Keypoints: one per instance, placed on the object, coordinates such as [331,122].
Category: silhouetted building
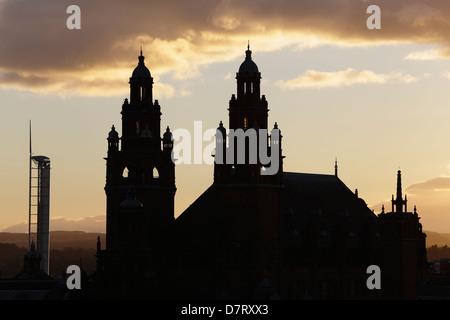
[234,227]
[140,190]
[404,253]
[250,234]
[32,283]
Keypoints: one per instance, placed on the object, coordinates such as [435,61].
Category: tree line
[11,260]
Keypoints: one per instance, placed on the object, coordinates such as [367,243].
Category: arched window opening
[138,127]
[251,87]
[126,173]
[141,93]
[245,87]
[155,173]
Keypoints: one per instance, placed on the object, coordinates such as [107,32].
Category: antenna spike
[31,153]
[335,167]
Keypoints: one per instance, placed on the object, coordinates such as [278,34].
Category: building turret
[32,261]
[140,188]
[245,160]
[403,244]
[113,141]
[168,141]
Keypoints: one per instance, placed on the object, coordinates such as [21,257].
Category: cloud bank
[432,198]
[180,37]
[313,79]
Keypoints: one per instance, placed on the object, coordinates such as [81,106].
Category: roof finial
[248,53]
[335,167]
[141,58]
[399,192]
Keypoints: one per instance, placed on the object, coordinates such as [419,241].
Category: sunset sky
[378,100]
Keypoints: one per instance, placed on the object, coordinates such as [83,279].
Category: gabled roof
[326,195]
[304,195]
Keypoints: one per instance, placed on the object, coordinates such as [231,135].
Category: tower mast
[39,206]
[29,194]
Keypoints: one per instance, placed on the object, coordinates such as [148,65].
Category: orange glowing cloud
[40,54]
[313,79]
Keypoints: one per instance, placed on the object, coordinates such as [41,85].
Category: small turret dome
[167,135]
[113,134]
[131,202]
[32,254]
[222,129]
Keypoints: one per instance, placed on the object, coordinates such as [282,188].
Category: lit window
[155,173]
[245,123]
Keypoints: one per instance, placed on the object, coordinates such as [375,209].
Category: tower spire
[399,185]
[399,202]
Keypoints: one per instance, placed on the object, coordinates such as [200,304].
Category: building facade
[140,191]
[250,234]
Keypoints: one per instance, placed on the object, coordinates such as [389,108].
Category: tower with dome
[140,188]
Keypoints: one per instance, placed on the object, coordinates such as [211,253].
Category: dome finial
[141,58]
[248,53]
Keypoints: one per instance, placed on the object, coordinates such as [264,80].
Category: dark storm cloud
[38,51]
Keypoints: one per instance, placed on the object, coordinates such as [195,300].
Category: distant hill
[66,248]
[76,247]
[58,239]
[439,239]
[88,240]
